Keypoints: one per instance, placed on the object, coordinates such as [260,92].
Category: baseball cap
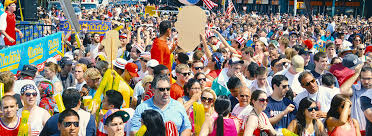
[8,2]
[264,40]
[309,44]
[303,51]
[235,60]
[218,58]
[152,63]
[274,43]
[86,61]
[29,70]
[132,69]
[65,61]
[341,72]
[298,63]
[120,63]
[351,61]
[123,114]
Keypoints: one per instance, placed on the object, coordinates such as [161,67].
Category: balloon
[23,127]
[286,132]
[141,131]
[199,116]
[58,98]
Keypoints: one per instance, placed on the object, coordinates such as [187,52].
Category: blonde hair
[92,73]
[147,79]
[83,66]
[8,79]
[54,67]
[209,90]
[289,53]
[181,67]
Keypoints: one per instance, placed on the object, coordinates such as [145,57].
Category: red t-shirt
[176,91]
[160,52]
[10,28]
[6,131]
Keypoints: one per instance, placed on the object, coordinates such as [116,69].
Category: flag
[230,7]
[210,4]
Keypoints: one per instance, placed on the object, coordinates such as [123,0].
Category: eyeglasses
[68,124]
[202,79]
[308,83]
[207,100]
[144,60]
[186,74]
[29,94]
[285,86]
[357,40]
[310,109]
[361,48]
[245,96]
[263,100]
[198,68]
[163,89]
[198,88]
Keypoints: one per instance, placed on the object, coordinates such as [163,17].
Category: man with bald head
[280,110]
[243,108]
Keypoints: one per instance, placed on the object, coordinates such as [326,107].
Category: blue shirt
[174,112]
[274,108]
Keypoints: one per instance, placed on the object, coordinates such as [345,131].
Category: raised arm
[346,87]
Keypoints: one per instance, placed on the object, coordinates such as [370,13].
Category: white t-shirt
[35,119]
[323,96]
[2,27]
[242,113]
[79,86]
[292,80]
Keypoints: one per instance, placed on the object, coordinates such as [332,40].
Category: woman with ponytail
[258,123]
[223,125]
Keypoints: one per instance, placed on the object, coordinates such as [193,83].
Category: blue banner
[34,52]
[94,26]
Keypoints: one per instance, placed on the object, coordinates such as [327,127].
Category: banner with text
[34,52]
[94,26]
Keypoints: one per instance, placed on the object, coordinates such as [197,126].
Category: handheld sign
[111,43]
[190,23]
[71,17]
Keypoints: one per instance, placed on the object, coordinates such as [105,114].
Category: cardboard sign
[111,43]
[190,23]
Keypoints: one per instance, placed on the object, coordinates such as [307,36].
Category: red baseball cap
[132,69]
[341,72]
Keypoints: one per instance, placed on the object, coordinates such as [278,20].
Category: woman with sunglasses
[307,122]
[38,116]
[258,123]
[338,119]
[222,125]
[202,80]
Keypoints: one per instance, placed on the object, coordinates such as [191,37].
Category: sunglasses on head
[263,100]
[310,109]
[29,94]
[198,68]
[308,83]
[164,89]
[186,74]
[68,124]
[207,100]
[202,79]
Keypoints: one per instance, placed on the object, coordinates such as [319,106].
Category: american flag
[210,4]
[230,7]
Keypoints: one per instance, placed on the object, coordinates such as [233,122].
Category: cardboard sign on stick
[190,23]
[111,43]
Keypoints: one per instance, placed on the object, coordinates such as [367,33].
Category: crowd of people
[253,75]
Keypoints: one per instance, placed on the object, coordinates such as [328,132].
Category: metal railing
[34,31]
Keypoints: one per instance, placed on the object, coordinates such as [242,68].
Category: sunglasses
[308,83]
[198,68]
[68,124]
[144,60]
[361,48]
[202,79]
[29,94]
[263,100]
[245,96]
[207,100]
[310,109]
[164,89]
[186,74]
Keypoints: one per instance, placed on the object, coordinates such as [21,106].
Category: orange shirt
[160,52]
[176,91]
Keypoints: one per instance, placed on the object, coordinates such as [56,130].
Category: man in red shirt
[160,50]
[183,74]
[8,23]
[9,122]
